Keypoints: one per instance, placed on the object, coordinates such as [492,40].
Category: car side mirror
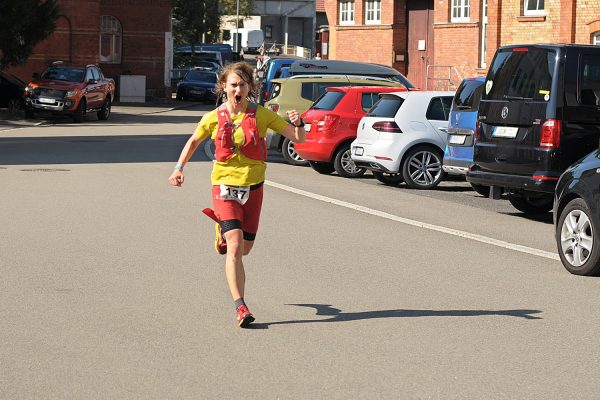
[35,75]
[92,81]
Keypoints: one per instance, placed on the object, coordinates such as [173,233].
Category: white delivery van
[248,39]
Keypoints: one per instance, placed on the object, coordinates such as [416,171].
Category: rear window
[467,96]
[521,74]
[589,80]
[386,107]
[312,90]
[439,108]
[328,101]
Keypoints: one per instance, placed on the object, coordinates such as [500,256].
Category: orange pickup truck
[70,90]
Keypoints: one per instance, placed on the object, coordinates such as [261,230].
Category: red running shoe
[243,316]
[220,244]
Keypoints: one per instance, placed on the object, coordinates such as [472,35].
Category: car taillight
[273,107]
[327,122]
[550,136]
[387,126]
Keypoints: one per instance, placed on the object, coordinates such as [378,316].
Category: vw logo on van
[504,112]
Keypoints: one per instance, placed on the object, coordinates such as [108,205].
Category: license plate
[46,100]
[457,139]
[358,151]
[197,91]
[307,127]
[505,132]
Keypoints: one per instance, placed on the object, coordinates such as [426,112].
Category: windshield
[67,74]
[521,74]
[201,76]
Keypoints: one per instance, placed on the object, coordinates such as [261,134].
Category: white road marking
[443,229]
[208,150]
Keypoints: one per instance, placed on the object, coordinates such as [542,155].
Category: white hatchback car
[403,136]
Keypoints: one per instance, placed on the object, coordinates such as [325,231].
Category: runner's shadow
[337,315]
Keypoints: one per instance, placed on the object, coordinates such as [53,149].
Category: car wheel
[344,165]
[531,204]
[322,167]
[577,239]
[29,113]
[79,113]
[290,155]
[422,168]
[481,189]
[104,112]
[388,179]
[14,105]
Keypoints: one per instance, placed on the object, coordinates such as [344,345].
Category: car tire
[79,113]
[179,96]
[104,112]
[481,189]
[29,113]
[388,179]
[290,155]
[344,165]
[422,167]
[322,167]
[577,239]
[531,204]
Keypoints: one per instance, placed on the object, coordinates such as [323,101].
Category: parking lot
[111,287]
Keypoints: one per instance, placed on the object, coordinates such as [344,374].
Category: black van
[539,113]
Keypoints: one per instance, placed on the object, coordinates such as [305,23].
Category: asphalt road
[111,288]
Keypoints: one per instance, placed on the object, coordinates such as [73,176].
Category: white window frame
[372,12]
[460,11]
[346,12]
[484,24]
[535,12]
[596,39]
[111,34]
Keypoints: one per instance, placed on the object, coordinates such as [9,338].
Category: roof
[377,89]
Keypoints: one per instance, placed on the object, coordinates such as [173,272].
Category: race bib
[241,194]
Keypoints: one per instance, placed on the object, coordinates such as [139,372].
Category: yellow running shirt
[239,170]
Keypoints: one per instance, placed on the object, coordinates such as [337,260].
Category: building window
[460,11]
[111,35]
[346,12]
[373,12]
[596,38]
[533,7]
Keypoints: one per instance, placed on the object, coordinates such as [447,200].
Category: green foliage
[194,18]
[23,24]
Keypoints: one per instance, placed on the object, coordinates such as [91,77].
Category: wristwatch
[301,124]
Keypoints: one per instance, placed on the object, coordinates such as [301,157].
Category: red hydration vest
[253,147]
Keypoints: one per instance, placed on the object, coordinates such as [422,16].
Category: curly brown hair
[244,71]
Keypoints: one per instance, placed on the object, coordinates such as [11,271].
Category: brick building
[122,36]
[438,42]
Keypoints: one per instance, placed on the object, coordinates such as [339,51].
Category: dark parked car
[539,113]
[198,84]
[12,91]
[577,216]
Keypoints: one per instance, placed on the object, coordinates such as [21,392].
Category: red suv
[331,124]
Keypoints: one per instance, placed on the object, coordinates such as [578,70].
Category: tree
[23,24]
[195,19]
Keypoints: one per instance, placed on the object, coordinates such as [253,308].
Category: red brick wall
[369,43]
[587,20]
[77,39]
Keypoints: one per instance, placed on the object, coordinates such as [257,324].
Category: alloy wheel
[425,168]
[576,238]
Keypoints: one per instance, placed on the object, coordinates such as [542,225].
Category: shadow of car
[12,92]
[198,84]
[576,215]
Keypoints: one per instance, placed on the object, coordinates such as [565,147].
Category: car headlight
[72,93]
[213,90]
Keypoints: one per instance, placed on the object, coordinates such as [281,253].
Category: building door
[420,40]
